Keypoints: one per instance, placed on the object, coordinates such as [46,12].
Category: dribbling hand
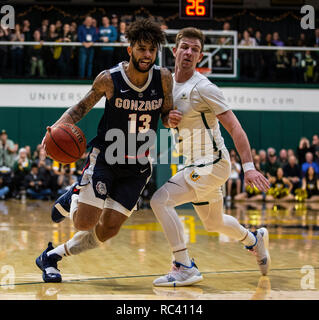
[255,178]
[43,140]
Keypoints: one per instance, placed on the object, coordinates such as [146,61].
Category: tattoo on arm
[167,84]
[101,87]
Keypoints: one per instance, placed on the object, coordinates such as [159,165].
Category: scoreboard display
[196,9]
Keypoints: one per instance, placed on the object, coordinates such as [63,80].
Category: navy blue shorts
[123,183]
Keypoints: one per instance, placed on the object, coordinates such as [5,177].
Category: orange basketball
[65,143]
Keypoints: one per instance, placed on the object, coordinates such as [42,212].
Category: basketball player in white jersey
[207,166]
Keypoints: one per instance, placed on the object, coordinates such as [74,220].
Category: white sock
[60,250]
[82,241]
[74,205]
[250,239]
[182,257]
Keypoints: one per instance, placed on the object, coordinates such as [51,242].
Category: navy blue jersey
[133,110]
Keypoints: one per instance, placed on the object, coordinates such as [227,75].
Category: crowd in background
[293,174]
[86,61]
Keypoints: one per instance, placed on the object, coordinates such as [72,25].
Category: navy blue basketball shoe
[49,265]
[61,208]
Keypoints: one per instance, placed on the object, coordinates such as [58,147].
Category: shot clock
[196,9]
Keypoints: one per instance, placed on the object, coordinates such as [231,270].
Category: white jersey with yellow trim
[200,101]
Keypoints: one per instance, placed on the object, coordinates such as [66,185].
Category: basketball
[65,143]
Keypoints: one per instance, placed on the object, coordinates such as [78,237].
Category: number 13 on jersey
[144,120]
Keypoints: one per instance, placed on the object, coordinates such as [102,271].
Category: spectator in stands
[120,53]
[58,28]
[21,168]
[45,22]
[283,157]
[276,39]
[226,26]
[280,187]
[268,60]
[65,179]
[296,71]
[59,170]
[115,21]
[314,42]
[74,50]
[309,67]
[302,41]
[64,59]
[73,30]
[234,178]
[309,163]
[107,34]
[36,152]
[282,66]
[303,148]
[247,57]
[315,147]
[17,57]
[44,31]
[94,25]
[28,151]
[28,36]
[4,188]
[310,183]
[45,166]
[258,38]
[291,152]
[50,52]
[272,164]
[4,36]
[87,36]
[247,40]
[262,160]
[37,54]
[36,185]
[256,159]
[8,150]
[292,172]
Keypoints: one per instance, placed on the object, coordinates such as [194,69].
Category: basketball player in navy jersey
[137,94]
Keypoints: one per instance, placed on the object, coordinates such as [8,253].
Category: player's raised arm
[169,116]
[102,85]
[234,128]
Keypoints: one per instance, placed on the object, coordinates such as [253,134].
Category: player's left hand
[174,118]
[255,178]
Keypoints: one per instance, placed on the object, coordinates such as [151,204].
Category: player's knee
[158,199]
[109,225]
[108,232]
[85,220]
[211,226]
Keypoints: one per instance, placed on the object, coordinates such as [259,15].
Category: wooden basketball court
[124,267]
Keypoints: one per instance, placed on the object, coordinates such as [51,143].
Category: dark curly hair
[145,30]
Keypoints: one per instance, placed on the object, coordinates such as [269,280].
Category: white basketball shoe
[260,250]
[179,276]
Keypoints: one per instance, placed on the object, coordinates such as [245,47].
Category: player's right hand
[43,140]
[255,178]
